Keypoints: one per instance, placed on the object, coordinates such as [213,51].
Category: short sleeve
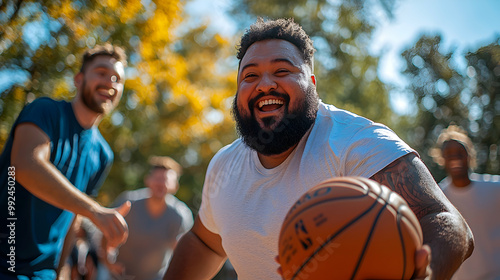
[371,149]
[44,113]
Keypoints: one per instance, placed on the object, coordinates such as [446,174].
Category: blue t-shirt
[33,231]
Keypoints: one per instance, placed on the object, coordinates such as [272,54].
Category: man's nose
[267,84]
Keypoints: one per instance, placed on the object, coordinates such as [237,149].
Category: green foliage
[175,101]
[446,93]
[484,84]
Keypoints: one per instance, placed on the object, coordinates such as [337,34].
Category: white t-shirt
[479,204]
[246,203]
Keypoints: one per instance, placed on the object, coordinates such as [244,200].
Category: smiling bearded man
[291,141]
[276,136]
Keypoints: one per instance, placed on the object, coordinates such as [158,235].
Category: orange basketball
[349,228]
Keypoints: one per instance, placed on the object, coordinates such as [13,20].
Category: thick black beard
[88,101]
[287,133]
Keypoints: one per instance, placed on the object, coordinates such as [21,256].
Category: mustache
[252,101]
[102,87]
[98,87]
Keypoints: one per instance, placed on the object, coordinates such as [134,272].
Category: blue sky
[463,24]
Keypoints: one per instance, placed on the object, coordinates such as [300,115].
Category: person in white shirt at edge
[290,141]
[477,198]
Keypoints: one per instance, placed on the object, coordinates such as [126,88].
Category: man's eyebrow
[276,60]
[107,67]
[247,65]
[103,65]
[286,60]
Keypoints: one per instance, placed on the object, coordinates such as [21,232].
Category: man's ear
[78,80]
[313,78]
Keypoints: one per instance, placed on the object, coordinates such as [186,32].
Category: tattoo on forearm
[406,178]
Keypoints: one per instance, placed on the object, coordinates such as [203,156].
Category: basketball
[349,228]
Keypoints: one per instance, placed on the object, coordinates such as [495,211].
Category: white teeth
[270,102]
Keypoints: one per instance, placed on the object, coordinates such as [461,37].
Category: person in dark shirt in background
[54,159]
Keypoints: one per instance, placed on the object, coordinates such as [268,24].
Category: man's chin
[159,195]
[268,128]
[104,108]
[107,110]
[269,124]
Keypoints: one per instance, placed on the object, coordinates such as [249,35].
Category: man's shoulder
[47,114]
[236,145]
[342,116]
[177,204]
[133,196]
[45,106]
[445,183]
[230,151]
[180,209]
[47,103]
[342,126]
[47,100]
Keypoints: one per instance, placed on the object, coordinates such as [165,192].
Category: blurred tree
[341,31]
[175,102]
[196,124]
[484,104]
[435,86]
[446,93]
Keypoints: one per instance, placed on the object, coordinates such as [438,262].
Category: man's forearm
[31,157]
[44,181]
[444,229]
[193,260]
[69,242]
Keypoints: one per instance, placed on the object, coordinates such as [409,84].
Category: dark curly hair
[107,49]
[284,29]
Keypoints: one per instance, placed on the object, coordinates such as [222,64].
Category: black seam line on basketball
[400,231]
[321,202]
[367,192]
[336,234]
[368,238]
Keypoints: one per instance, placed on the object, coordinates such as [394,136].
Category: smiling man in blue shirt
[54,159]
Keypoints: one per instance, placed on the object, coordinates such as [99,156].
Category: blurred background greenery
[181,76]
